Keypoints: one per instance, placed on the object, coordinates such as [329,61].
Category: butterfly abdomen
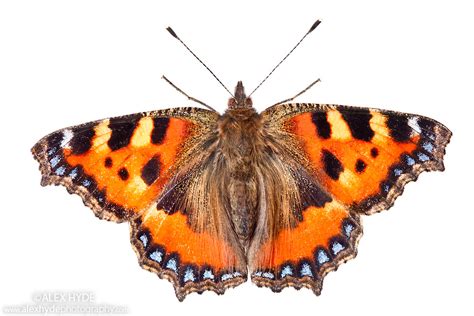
[240,144]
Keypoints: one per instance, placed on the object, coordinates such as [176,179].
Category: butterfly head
[240,99]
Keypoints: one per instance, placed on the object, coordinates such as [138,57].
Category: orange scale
[173,233]
[351,187]
[319,225]
[131,193]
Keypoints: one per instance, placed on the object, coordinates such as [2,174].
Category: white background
[69,62]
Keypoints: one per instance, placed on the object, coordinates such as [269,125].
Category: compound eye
[232,103]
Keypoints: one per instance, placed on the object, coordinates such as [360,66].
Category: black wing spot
[81,141]
[358,121]
[360,165]
[320,119]
[55,139]
[108,162]
[54,144]
[122,131]
[160,126]
[151,170]
[399,128]
[374,152]
[427,128]
[123,174]
[332,165]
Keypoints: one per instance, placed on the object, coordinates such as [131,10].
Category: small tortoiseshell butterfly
[211,198]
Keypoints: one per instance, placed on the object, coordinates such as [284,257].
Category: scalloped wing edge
[442,139]
[48,177]
[316,283]
[225,281]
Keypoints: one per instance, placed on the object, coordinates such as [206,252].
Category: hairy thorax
[240,144]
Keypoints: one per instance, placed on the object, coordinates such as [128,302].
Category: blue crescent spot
[410,161]
[306,270]
[286,271]
[322,257]
[144,240]
[337,247]
[60,171]
[189,275]
[54,161]
[86,183]
[258,273]
[156,256]
[208,275]
[172,265]
[423,157]
[397,172]
[268,275]
[348,228]
[227,276]
[428,146]
[73,173]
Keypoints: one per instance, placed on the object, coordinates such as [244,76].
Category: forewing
[363,157]
[120,165]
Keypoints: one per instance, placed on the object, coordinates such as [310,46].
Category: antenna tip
[315,24]
[169,29]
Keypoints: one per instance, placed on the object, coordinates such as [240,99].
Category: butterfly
[212,199]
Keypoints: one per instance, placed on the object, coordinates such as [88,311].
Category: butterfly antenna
[315,24]
[173,33]
[186,95]
[300,93]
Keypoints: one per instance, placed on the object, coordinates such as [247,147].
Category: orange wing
[302,255]
[124,168]
[364,157]
[354,160]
